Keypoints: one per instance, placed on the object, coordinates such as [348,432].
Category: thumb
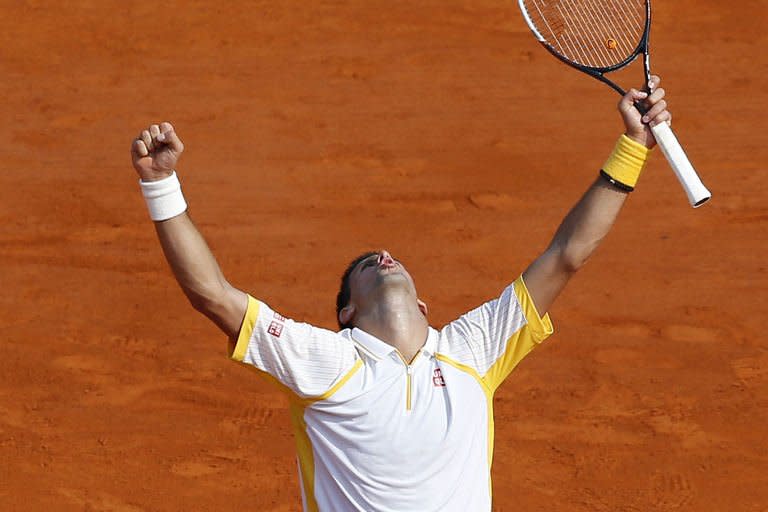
[169,137]
[629,100]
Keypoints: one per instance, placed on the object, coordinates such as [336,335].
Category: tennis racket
[600,36]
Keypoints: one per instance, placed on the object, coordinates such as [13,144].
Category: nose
[385,259]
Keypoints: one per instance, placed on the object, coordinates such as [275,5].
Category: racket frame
[694,188]
[642,48]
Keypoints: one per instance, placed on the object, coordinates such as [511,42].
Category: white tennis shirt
[374,433]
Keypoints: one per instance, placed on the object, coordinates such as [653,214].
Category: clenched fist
[156,151]
[639,125]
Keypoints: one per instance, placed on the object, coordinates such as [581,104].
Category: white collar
[380,349]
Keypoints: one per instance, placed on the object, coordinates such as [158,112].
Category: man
[389,413]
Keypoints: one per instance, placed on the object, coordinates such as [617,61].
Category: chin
[394,274]
[395,279]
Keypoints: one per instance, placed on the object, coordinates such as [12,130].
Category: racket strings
[593,33]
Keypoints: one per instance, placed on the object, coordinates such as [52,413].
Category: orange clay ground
[314,130]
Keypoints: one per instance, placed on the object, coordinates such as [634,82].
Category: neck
[398,321]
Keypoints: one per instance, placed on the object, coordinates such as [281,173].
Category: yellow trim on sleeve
[246,329]
[525,339]
[542,325]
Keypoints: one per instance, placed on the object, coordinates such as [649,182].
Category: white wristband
[164,198]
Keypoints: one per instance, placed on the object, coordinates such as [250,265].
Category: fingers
[628,101]
[155,137]
[654,111]
[146,138]
[653,106]
[168,136]
[154,131]
[139,148]
[654,82]
[662,117]
[656,104]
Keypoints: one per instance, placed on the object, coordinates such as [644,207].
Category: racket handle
[678,160]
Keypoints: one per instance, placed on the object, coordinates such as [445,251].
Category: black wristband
[619,185]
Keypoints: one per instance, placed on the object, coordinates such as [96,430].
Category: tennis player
[389,413]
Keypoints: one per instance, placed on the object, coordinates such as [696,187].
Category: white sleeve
[493,338]
[307,360]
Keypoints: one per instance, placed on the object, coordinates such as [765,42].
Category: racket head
[595,36]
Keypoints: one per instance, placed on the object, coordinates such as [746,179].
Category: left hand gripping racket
[600,36]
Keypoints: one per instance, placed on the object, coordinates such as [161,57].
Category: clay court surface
[315,130]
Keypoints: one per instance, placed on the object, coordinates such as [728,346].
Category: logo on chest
[275,329]
[437,378]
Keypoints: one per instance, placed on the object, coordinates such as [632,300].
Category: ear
[346,314]
[422,307]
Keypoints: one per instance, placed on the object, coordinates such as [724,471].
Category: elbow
[201,303]
[213,307]
[223,305]
[574,257]
[573,263]
[205,301]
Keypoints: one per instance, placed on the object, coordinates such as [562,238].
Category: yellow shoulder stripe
[249,322]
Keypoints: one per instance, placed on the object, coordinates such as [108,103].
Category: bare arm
[578,236]
[155,154]
[590,220]
[199,275]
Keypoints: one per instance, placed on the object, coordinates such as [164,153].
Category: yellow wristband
[625,164]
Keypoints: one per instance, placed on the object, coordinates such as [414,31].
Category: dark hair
[342,298]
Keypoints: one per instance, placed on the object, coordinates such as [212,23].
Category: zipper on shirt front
[408,379]
[408,371]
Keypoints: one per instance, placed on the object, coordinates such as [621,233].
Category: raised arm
[590,220]
[155,153]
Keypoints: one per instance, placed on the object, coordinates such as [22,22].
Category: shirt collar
[380,349]
[430,346]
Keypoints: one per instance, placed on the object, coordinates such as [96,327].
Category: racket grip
[678,160]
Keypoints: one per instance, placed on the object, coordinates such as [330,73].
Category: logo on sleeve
[437,378]
[275,329]
[277,316]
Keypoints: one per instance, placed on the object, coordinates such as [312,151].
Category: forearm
[587,224]
[576,239]
[589,221]
[199,274]
[190,258]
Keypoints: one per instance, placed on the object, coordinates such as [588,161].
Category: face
[378,270]
[368,280]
